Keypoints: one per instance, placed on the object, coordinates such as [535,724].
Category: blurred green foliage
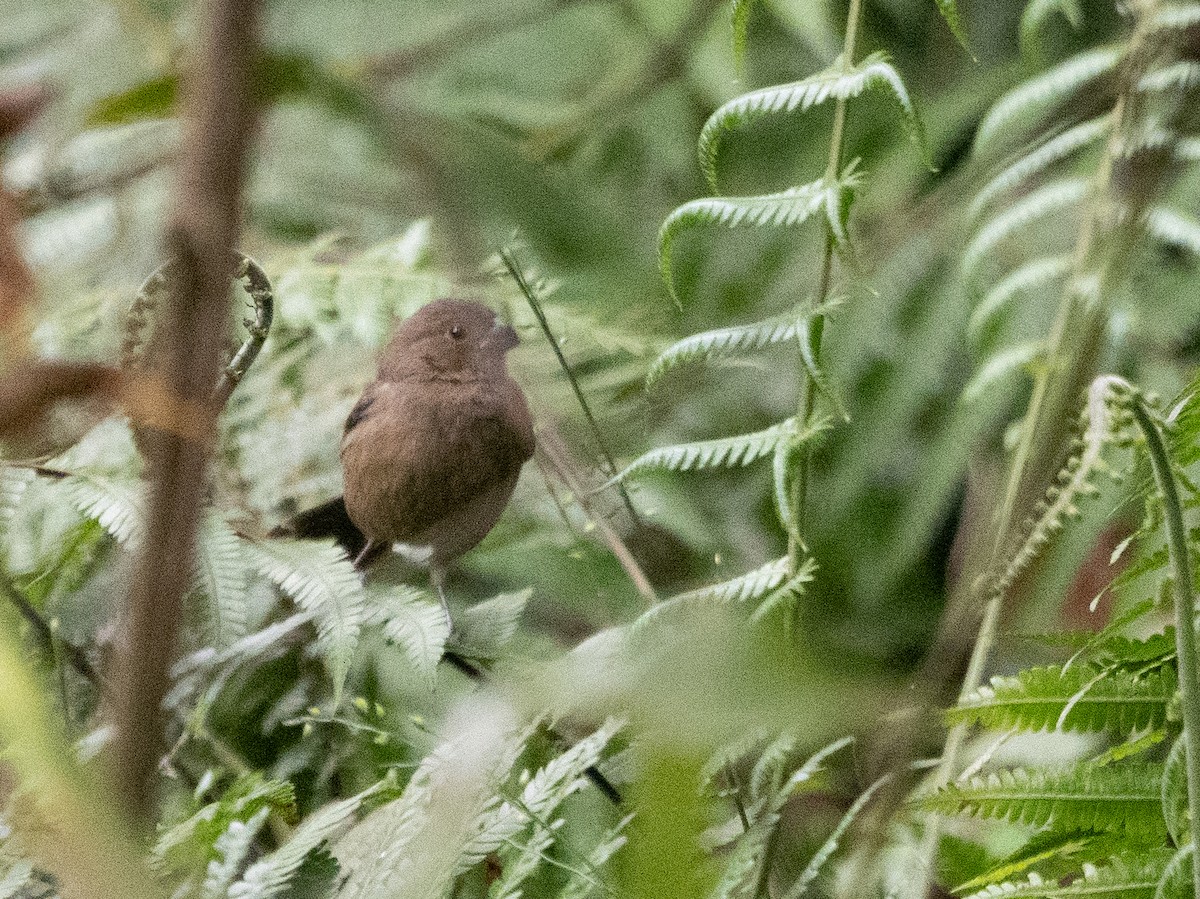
[318,746]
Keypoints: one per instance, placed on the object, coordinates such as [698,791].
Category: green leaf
[486,628]
[1174,229]
[838,82]
[742,590]
[1118,798]
[740,20]
[153,99]
[1175,795]
[189,846]
[1130,877]
[1037,161]
[1032,100]
[807,338]
[320,578]
[270,875]
[1042,847]
[724,452]
[787,208]
[1000,366]
[723,342]
[1038,11]
[822,855]
[1040,273]
[949,11]
[114,503]
[1177,881]
[1050,199]
[221,578]
[1092,699]
[415,622]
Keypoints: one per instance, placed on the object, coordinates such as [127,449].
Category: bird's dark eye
[456,332]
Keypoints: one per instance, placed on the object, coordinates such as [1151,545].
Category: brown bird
[433,448]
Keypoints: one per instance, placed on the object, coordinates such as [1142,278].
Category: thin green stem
[1185,611]
[1073,339]
[807,402]
[531,297]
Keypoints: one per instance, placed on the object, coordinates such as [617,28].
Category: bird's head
[448,339]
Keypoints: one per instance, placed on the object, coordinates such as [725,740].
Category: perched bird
[433,448]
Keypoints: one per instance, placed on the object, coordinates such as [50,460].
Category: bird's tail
[330,519]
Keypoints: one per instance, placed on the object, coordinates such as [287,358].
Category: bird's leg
[438,577]
[365,553]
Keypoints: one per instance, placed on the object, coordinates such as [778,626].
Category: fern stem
[531,297]
[1185,611]
[1073,340]
[807,404]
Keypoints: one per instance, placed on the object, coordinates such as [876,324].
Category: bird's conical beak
[503,336]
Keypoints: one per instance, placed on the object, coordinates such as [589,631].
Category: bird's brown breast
[434,463]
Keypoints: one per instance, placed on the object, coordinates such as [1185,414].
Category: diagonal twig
[531,297]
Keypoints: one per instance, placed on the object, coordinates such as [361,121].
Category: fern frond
[1033,275]
[1118,798]
[767,782]
[1034,163]
[787,208]
[949,11]
[1175,78]
[1177,881]
[1176,17]
[823,854]
[270,875]
[1132,877]
[1038,11]
[115,505]
[1093,699]
[413,621]
[1044,846]
[722,342]
[578,886]
[724,452]
[1074,482]
[195,839]
[838,82]
[231,849]
[1174,229]
[486,627]
[543,793]
[745,589]
[13,484]
[221,578]
[1033,99]
[1174,795]
[1047,200]
[321,580]
[740,21]
[740,874]
[999,366]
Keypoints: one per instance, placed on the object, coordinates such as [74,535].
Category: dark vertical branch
[191,334]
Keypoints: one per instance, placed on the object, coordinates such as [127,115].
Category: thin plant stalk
[799,492]
[1185,612]
[531,297]
[1074,335]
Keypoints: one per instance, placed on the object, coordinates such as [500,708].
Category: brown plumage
[433,448]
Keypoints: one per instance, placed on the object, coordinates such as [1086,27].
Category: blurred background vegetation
[402,146]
